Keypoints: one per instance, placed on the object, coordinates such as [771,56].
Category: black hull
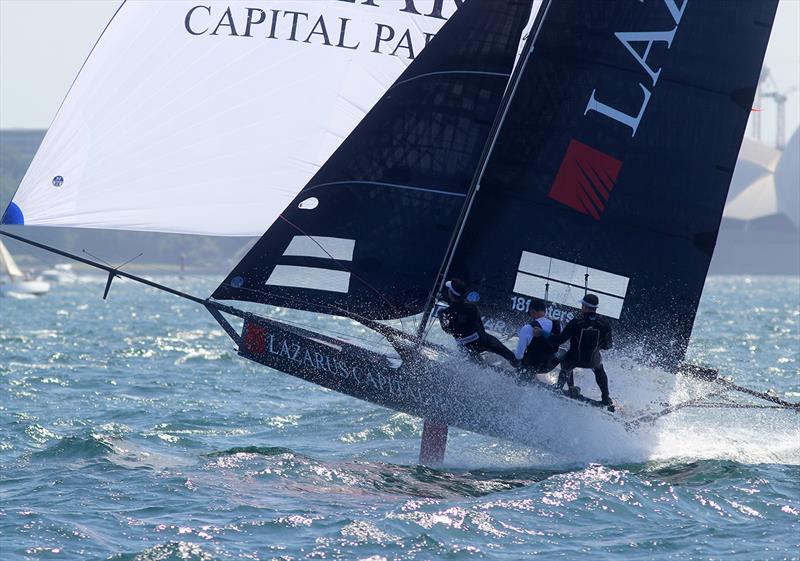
[420,386]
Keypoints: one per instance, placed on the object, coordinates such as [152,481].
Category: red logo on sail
[585,179]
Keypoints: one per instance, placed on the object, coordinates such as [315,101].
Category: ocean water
[130,430]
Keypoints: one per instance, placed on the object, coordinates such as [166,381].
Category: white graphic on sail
[316,278]
[565,283]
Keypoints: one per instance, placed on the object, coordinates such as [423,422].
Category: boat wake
[561,432]
[273,464]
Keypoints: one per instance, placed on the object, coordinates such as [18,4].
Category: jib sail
[611,171]
[368,232]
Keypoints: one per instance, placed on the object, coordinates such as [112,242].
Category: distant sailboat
[597,158]
[14,281]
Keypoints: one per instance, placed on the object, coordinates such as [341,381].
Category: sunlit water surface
[130,430]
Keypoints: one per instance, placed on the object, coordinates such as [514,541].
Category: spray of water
[559,432]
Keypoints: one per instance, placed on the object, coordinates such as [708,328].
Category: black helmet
[590,301]
[538,305]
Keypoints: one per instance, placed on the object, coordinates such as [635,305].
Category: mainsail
[209,117]
[367,234]
[611,171]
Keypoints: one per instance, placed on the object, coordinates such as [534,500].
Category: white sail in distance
[208,118]
[7,263]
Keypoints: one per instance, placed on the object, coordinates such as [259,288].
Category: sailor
[587,334]
[536,348]
[462,320]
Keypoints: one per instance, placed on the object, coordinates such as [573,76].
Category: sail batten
[446,72]
[307,190]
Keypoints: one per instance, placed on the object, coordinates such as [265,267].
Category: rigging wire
[109,264]
[341,312]
[380,294]
[547,282]
[475,182]
[727,384]
[586,282]
[326,330]
[332,309]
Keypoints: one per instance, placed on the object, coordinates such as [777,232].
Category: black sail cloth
[366,236]
[613,166]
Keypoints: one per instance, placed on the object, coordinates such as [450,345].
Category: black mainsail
[367,234]
[611,171]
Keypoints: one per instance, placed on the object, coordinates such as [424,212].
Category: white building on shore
[760,231]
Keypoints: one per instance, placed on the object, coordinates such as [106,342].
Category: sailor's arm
[554,335]
[475,319]
[564,336]
[525,337]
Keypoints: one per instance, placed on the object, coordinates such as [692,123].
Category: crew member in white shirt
[536,348]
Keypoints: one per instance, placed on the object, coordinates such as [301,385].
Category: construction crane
[780,99]
[780,125]
[759,103]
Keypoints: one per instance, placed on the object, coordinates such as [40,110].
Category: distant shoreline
[765,246]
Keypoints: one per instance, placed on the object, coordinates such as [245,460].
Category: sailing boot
[566,377]
[602,382]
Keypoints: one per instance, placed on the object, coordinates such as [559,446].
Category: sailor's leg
[565,376]
[474,351]
[571,388]
[550,364]
[601,378]
[493,345]
[560,354]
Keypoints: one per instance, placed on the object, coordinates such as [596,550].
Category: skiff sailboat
[14,281]
[531,147]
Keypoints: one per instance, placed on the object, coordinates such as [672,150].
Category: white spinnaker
[165,130]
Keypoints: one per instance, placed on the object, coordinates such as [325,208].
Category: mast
[475,184]
[398,181]
[633,218]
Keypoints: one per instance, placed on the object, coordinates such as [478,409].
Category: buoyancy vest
[588,334]
[541,349]
[463,321]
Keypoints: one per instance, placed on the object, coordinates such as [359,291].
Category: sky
[44,42]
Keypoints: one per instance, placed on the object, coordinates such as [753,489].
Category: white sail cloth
[7,263]
[209,117]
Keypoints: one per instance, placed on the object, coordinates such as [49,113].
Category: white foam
[560,432]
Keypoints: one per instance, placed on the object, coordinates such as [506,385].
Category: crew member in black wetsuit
[588,334]
[536,348]
[463,321]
